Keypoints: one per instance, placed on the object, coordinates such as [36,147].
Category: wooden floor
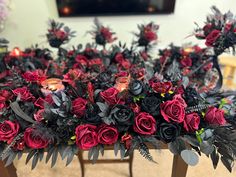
[142,168]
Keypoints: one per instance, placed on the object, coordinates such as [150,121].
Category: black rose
[150,104]
[91,114]
[168,132]
[191,96]
[136,87]
[104,80]
[100,39]
[123,116]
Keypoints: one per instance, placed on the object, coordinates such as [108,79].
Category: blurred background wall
[27,23]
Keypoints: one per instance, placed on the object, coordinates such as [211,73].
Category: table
[179,167]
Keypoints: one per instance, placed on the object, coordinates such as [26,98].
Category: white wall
[27,23]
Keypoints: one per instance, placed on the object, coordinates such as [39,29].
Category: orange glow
[66,10]
[16,52]
[122,83]
[52,85]
[151,9]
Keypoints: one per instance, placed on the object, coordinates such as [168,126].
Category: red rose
[228,27]
[72,75]
[20,145]
[107,34]
[150,35]
[135,107]
[180,99]
[38,116]
[122,74]
[207,28]
[24,93]
[111,96]
[144,124]
[34,76]
[40,102]
[34,140]
[79,106]
[215,116]
[208,66]
[5,95]
[60,34]
[86,136]
[191,122]
[212,37]
[186,62]
[107,134]
[8,131]
[81,59]
[161,87]
[119,57]
[173,110]
[95,61]
[125,64]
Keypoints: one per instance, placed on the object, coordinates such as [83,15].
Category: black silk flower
[136,87]
[151,105]
[91,114]
[123,116]
[168,132]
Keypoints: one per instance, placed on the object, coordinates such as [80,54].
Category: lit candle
[52,85]
[122,83]
[16,52]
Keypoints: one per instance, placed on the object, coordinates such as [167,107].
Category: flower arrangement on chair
[86,99]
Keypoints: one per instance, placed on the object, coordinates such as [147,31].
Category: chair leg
[131,158]
[9,171]
[179,168]
[81,160]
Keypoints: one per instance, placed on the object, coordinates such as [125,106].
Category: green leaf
[35,161]
[177,146]
[227,163]
[30,155]
[54,157]
[215,158]
[56,100]
[190,157]
[18,111]
[116,147]
[122,151]
[49,154]
[10,158]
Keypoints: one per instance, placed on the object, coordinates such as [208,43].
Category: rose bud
[168,132]
[151,105]
[127,139]
[136,87]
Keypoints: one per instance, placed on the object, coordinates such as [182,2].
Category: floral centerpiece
[86,99]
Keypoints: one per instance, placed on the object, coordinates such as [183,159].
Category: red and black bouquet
[86,99]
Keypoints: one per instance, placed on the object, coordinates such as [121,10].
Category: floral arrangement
[87,98]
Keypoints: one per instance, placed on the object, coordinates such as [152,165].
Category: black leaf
[35,160]
[144,151]
[30,155]
[49,154]
[54,157]
[215,158]
[227,163]
[10,158]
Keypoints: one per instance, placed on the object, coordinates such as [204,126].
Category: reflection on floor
[141,168]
